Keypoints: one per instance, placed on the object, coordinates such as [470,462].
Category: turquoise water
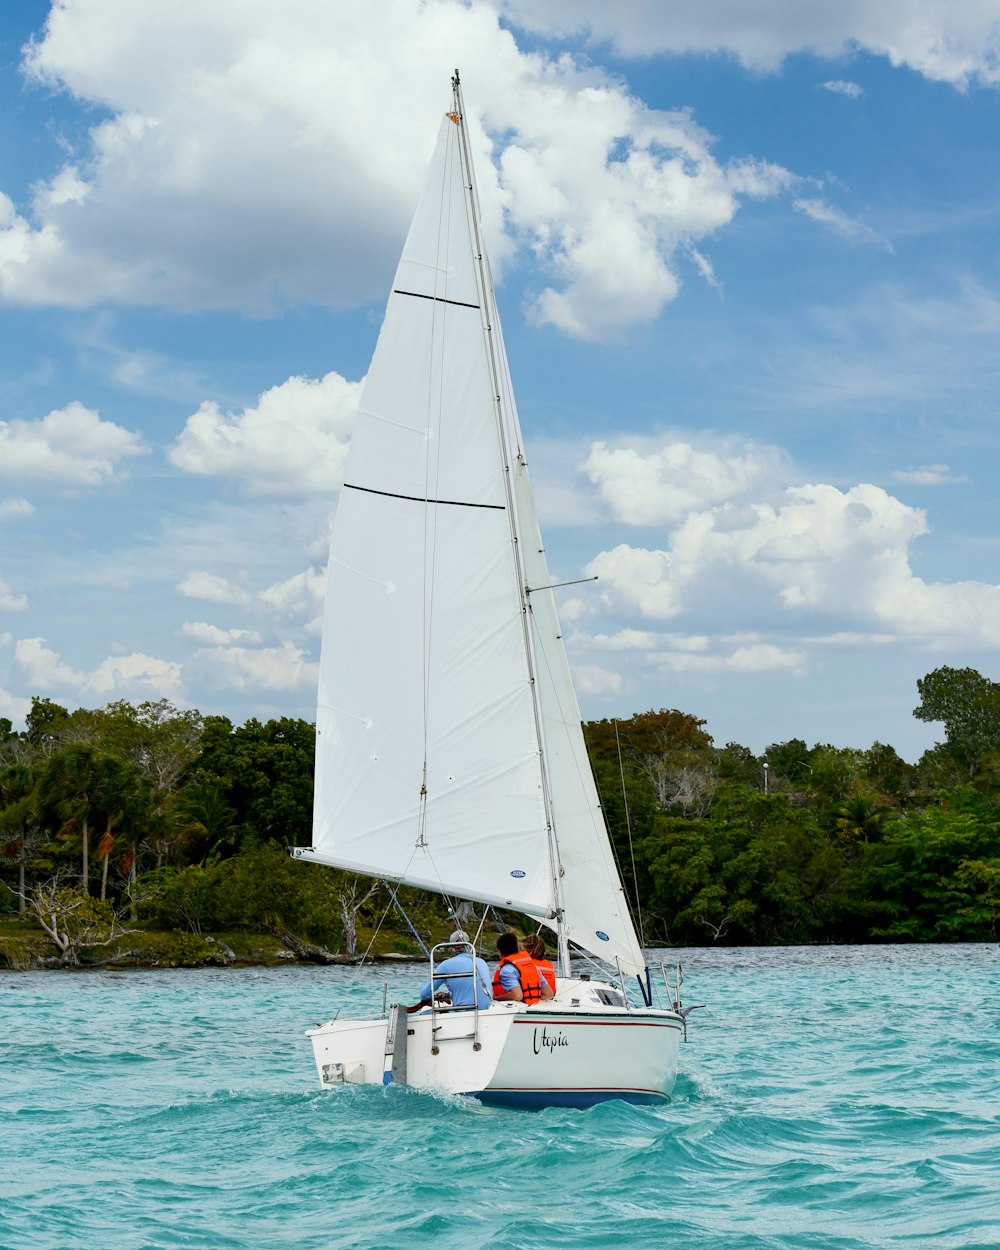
[831,1098]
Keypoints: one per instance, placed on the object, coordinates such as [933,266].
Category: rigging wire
[631,848]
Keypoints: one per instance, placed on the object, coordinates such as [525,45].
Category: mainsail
[449,749]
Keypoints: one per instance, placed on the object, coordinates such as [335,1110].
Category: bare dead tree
[717,929]
[350,906]
[73,921]
[689,786]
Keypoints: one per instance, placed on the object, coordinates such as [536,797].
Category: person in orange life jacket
[534,945]
[516,977]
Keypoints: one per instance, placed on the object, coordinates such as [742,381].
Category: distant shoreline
[23,949]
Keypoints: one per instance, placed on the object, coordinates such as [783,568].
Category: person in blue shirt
[463,990]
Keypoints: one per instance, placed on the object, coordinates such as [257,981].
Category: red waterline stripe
[601,1024]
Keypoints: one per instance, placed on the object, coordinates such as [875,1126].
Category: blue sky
[749,276]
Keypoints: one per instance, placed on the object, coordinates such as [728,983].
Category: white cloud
[6,639]
[849,227]
[293,442]
[213,636]
[954,41]
[852,639]
[43,667]
[299,595]
[222,120]
[212,589]
[70,448]
[285,667]
[626,640]
[125,675]
[760,657]
[15,509]
[821,554]
[591,679]
[658,482]
[840,87]
[9,600]
[122,676]
[14,708]
[928,475]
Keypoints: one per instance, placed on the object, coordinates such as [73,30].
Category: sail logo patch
[603,936]
[518,872]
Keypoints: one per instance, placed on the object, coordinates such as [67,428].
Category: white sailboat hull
[558,1053]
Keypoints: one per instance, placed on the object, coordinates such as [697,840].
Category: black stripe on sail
[438,299]
[452,503]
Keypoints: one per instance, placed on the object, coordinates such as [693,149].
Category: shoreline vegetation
[149,836]
[24,948]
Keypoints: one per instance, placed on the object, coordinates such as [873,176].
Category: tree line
[133,816]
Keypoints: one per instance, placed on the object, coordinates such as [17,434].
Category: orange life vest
[531,980]
[544,966]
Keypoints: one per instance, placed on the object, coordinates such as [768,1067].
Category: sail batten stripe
[437,299]
[451,503]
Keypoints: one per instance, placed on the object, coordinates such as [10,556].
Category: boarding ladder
[438,1010]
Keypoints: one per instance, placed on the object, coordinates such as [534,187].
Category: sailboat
[450,754]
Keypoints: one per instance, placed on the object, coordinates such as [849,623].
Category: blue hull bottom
[535,1100]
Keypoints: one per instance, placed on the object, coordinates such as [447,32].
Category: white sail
[448,732]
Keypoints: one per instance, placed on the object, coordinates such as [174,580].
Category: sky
[747,265]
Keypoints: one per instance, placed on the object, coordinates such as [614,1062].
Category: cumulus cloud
[626,640]
[213,636]
[647,483]
[592,679]
[10,601]
[285,667]
[759,657]
[820,554]
[121,676]
[953,41]
[299,595]
[293,442]
[212,589]
[125,675]
[70,448]
[13,707]
[43,667]
[219,121]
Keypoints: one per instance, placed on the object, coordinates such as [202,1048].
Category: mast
[488,305]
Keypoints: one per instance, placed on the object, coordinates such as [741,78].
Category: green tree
[757,870]
[44,724]
[265,773]
[19,831]
[968,705]
[931,877]
[81,787]
[788,762]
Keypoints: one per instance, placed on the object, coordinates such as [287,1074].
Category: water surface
[830,1098]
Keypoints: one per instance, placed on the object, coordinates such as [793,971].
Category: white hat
[458,938]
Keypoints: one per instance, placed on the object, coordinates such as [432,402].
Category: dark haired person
[534,946]
[516,978]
